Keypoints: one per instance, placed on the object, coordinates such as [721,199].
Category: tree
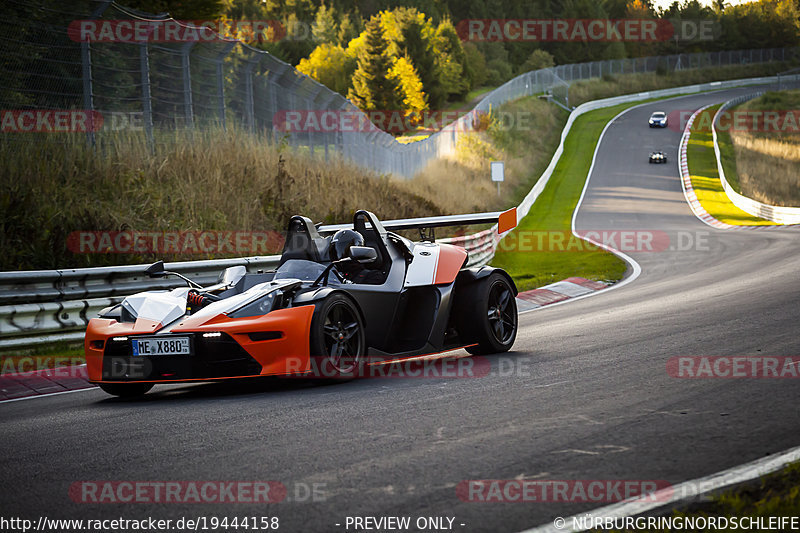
[413,98]
[347,30]
[324,29]
[372,88]
[331,66]
[450,60]
[411,34]
[539,59]
[475,61]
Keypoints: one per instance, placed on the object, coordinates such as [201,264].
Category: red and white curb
[557,292]
[45,382]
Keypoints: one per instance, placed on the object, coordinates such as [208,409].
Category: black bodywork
[399,320]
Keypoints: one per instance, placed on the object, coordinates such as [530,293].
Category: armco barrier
[53,305]
[779,214]
[45,306]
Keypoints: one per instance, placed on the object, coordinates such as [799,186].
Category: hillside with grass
[766,164]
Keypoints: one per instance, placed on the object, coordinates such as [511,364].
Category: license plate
[161,346]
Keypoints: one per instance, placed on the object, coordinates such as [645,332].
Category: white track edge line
[48,394]
[732,476]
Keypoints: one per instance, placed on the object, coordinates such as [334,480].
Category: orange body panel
[507,220]
[102,329]
[287,354]
[451,259]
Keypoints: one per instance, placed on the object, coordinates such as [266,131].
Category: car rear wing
[505,220]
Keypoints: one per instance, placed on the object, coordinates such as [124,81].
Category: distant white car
[658,120]
[658,157]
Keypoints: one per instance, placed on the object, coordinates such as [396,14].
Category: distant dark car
[658,157]
[658,120]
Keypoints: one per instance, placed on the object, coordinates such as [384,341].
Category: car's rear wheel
[126,390]
[491,318]
[338,339]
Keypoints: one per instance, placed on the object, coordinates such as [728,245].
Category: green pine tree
[325,29]
[373,88]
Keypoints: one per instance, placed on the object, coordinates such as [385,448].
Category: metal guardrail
[778,214]
[51,305]
[44,306]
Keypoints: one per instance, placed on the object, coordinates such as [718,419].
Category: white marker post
[498,173]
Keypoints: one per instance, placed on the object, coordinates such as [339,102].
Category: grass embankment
[617,84]
[524,134]
[766,164]
[520,254]
[776,494]
[705,177]
[53,186]
[56,355]
[771,497]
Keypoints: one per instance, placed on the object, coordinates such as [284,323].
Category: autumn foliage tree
[373,88]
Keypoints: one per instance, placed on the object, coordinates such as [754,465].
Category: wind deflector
[506,220]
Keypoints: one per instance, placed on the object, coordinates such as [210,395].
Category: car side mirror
[156,270]
[363,254]
[232,275]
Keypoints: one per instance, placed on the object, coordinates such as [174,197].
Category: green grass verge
[728,157]
[705,178]
[776,494]
[772,496]
[552,212]
[473,94]
[13,361]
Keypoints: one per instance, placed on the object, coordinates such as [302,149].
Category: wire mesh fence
[103,69]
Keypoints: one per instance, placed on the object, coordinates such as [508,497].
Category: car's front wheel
[126,390]
[338,339]
[491,319]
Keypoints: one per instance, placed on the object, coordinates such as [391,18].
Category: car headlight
[259,306]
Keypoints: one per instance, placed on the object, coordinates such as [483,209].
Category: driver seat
[304,242]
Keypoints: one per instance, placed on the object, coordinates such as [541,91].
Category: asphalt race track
[584,395]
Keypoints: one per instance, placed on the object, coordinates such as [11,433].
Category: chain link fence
[163,87]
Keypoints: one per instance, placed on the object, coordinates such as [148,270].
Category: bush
[499,72]
[539,59]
